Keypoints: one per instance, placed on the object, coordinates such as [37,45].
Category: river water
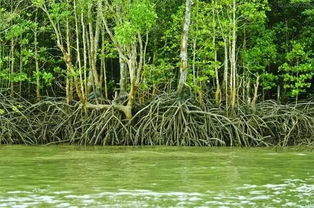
[71,176]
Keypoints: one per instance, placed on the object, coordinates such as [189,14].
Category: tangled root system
[166,120]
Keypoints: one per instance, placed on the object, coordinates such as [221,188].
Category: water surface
[70,176]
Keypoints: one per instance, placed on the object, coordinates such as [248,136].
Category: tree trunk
[218,88]
[68,61]
[85,83]
[233,58]
[12,62]
[226,71]
[256,86]
[103,67]
[184,47]
[123,76]
[80,84]
[38,96]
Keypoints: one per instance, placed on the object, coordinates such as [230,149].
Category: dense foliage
[156,72]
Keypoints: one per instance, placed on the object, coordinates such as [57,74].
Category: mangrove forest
[157,72]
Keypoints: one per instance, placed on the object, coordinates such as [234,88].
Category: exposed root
[166,120]
[93,127]
[169,121]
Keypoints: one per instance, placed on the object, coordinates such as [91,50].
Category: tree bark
[233,60]
[184,47]
[78,56]
[38,96]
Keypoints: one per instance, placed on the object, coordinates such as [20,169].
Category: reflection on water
[65,176]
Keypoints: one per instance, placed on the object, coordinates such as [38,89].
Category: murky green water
[63,176]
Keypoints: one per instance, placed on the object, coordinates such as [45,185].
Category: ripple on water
[285,186]
[248,195]
[301,154]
